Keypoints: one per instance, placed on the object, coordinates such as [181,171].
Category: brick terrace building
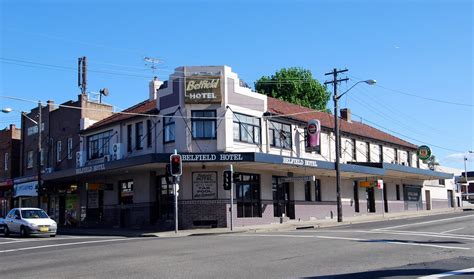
[10,157]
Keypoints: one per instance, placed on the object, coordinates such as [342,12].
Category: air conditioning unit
[79,159]
[116,151]
[107,158]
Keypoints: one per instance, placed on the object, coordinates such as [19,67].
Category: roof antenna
[152,63]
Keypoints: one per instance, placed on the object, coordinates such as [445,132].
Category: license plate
[45,229]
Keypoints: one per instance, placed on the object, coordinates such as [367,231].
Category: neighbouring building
[466,182]
[10,139]
[60,127]
[442,193]
[214,120]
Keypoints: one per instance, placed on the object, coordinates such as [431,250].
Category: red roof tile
[276,106]
[145,107]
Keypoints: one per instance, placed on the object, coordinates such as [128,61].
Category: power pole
[38,159]
[334,82]
[82,74]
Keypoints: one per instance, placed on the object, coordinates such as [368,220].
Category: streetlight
[336,98]
[465,173]
[38,157]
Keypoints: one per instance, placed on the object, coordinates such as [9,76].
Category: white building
[213,120]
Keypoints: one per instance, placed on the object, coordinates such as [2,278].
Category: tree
[432,162]
[294,85]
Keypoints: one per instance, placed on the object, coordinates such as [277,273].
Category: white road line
[449,273]
[409,233]
[47,239]
[426,222]
[452,230]
[350,239]
[63,244]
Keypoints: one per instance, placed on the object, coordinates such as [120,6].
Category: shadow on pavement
[102,232]
[411,241]
[385,273]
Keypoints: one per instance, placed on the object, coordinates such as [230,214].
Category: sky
[420,53]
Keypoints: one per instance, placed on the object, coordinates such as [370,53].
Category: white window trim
[58,151]
[6,161]
[69,148]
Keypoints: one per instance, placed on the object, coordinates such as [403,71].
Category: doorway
[450,198]
[165,198]
[281,199]
[356,196]
[428,200]
[370,195]
[385,200]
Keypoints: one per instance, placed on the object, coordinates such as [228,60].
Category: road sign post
[176,169]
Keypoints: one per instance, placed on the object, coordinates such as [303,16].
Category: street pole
[232,199]
[38,159]
[465,174]
[334,82]
[176,181]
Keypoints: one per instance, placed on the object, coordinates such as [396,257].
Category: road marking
[426,222]
[449,273]
[46,239]
[351,239]
[64,244]
[409,233]
[452,230]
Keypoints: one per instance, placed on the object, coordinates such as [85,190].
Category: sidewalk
[287,226]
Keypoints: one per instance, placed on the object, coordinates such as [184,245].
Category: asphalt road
[408,248]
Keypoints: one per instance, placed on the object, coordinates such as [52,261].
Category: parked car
[29,221]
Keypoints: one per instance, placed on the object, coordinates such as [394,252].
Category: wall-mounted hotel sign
[202,89]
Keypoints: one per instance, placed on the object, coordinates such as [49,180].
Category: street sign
[379,184]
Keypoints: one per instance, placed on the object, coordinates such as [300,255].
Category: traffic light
[227,180]
[176,168]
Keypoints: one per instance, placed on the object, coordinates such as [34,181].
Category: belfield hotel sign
[202,89]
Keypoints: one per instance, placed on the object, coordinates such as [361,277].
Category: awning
[401,171]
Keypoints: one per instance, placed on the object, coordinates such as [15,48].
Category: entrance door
[370,199]
[356,196]
[62,209]
[385,201]
[450,198]
[428,200]
[281,199]
[165,198]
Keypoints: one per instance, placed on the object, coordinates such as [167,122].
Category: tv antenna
[152,63]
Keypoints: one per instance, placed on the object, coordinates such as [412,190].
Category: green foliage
[432,162]
[294,85]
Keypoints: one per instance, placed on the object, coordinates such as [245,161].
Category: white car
[29,221]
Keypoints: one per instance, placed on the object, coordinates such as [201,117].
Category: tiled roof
[297,112]
[145,107]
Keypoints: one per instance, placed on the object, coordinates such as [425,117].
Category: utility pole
[38,159]
[82,74]
[334,82]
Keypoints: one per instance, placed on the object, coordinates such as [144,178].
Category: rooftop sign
[202,90]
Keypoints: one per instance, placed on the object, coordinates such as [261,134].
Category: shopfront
[26,194]
[6,197]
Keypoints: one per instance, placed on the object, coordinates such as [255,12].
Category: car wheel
[53,235]
[6,231]
[23,232]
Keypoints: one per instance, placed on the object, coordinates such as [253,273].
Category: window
[442,182]
[367,154]
[409,158]
[126,192]
[204,124]
[354,150]
[317,190]
[69,148]
[307,191]
[29,162]
[139,135]
[280,135]
[246,128]
[248,195]
[129,138]
[398,191]
[380,153]
[396,155]
[149,129]
[58,151]
[6,162]
[34,129]
[42,156]
[98,145]
[169,127]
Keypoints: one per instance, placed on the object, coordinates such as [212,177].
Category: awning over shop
[26,189]
[401,171]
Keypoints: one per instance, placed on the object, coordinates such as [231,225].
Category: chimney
[154,85]
[50,104]
[346,114]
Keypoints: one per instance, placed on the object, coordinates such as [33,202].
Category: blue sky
[420,48]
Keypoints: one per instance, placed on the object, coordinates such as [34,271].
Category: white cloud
[459,157]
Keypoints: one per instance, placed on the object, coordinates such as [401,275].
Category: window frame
[149,130]
[195,120]
[317,150]
[254,205]
[307,191]
[238,121]
[271,134]
[129,184]
[367,153]
[380,153]
[30,159]
[69,148]
[129,138]
[99,141]
[354,150]
[139,135]
[317,190]
[397,189]
[58,151]
[169,128]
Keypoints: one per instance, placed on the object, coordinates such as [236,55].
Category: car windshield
[33,214]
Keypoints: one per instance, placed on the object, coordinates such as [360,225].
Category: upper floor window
[246,128]
[69,148]
[442,182]
[129,138]
[380,153]
[203,124]
[58,151]
[409,159]
[98,145]
[169,127]
[149,128]
[280,135]
[6,162]
[354,150]
[29,162]
[395,156]
[367,155]
[139,135]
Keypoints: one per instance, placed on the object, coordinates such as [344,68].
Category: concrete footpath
[286,226]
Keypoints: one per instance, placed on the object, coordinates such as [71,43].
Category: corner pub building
[213,120]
